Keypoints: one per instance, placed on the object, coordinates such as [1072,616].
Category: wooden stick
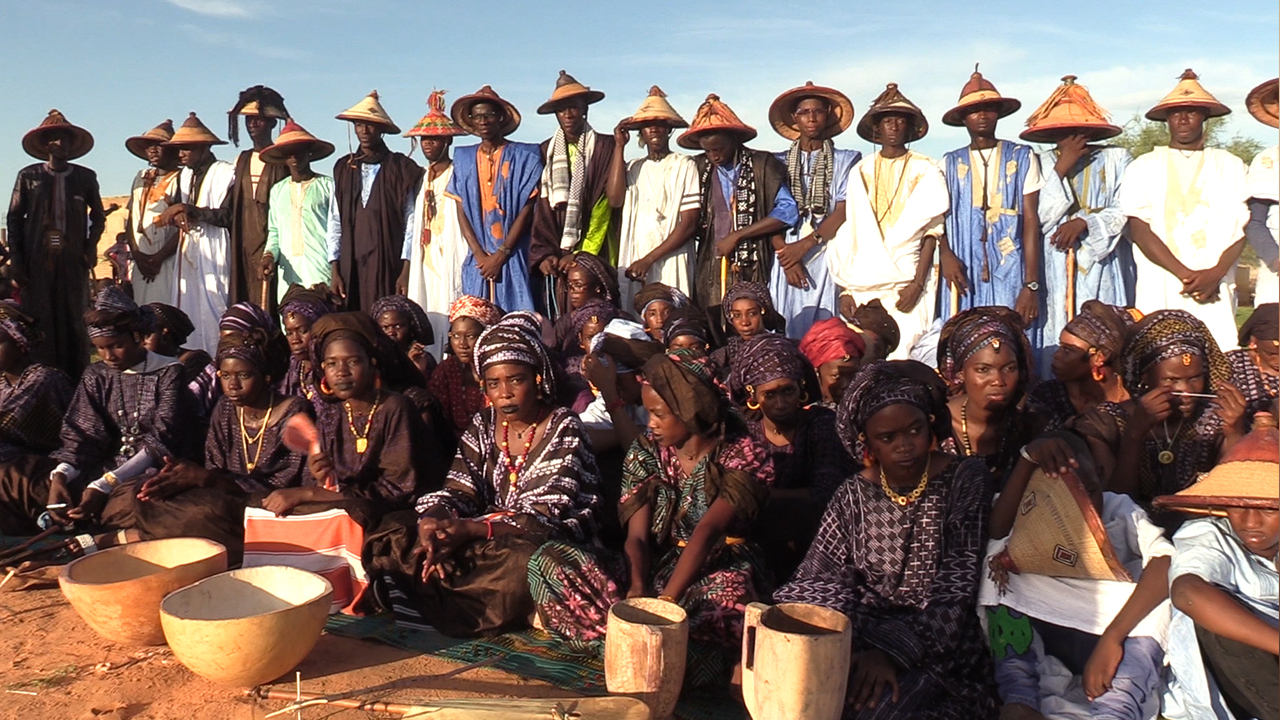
[1071,284]
[17,549]
[724,277]
[493,291]
[587,708]
[266,288]
[955,299]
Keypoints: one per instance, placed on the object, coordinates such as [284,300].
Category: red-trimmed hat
[979,91]
[435,123]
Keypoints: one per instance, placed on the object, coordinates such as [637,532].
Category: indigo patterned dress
[1259,389]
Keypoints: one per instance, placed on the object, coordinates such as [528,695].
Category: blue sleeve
[784,207]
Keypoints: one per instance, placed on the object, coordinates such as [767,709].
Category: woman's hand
[873,671]
[1053,455]
[321,468]
[440,539]
[418,356]
[283,501]
[174,478]
[90,507]
[1154,407]
[59,494]
[1100,669]
[1230,406]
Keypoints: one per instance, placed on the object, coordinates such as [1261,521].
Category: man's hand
[908,296]
[491,265]
[402,282]
[548,266]
[1070,151]
[1068,234]
[797,277]
[1027,305]
[268,264]
[177,216]
[621,135]
[847,306]
[954,271]
[639,269]
[726,244]
[338,287]
[1202,285]
[566,262]
[601,372]
[794,254]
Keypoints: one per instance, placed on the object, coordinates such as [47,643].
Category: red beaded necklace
[516,464]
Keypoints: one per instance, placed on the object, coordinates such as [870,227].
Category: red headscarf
[831,339]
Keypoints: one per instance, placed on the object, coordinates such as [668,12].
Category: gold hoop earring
[753,405]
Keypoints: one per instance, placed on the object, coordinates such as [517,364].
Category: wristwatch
[1033,286]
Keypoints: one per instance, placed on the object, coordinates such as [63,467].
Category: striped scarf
[812,199]
[565,184]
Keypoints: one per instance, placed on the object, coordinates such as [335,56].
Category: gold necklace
[246,441]
[362,441]
[914,495]
[1166,456]
[964,427]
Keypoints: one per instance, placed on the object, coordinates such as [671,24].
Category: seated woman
[900,552]
[406,323]
[685,329]
[835,350]
[772,382]
[692,487]
[299,309]
[524,473]
[370,463]
[170,328]
[1255,365]
[1085,367]
[453,382]
[655,303]
[985,359]
[747,312]
[1223,641]
[588,279]
[33,399]
[1166,434]
[586,322]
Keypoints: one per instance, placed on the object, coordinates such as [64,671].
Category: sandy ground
[46,649]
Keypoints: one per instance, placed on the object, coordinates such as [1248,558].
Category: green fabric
[313,265]
[384,629]
[1009,632]
[599,235]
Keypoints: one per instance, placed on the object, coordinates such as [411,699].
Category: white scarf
[564,184]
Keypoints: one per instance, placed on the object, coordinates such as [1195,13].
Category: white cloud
[214,8]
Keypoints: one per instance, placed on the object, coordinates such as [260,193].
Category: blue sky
[119,67]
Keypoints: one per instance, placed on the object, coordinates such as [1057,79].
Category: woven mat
[384,629]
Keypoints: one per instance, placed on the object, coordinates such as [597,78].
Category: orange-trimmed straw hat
[461,110]
[138,144]
[654,109]
[293,136]
[714,116]
[1264,102]
[567,88]
[370,110]
[34,142]
[1070,110]
[1245,478]
[979,91]
[435,123]
[891,101]
[1188,93]
[193,132]
[784,106]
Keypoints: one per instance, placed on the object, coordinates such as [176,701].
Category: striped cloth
[327,543]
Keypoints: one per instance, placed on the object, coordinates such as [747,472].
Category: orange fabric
[326,543]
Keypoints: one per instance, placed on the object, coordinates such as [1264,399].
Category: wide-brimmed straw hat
[292,137]
[979,91]
[714,116]
[435,123]
[461,110]
[138,144]
[370,110]
[1264,102]
[1245,478]
[567,88]
[1188,93]
[35,141]
[654,109]
[891,101]
[193,132]
[1070,110]
[784,107]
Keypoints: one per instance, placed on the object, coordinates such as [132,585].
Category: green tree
[1141,135]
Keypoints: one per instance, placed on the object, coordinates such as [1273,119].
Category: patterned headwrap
[686,321]
[171,319]
[478,309]
[346,326]
[872,317]
[113,313]
[970,331]
[1165,334]
[598,269]
[516,339]
[831,339]
[1102,326]
[19,325]
[890,382]
[246,347]
[1263,324]
[417,317]
[765,358]
[658,292]
[245,317]
[757,291]
[310,303]
[684,383]
[600,310]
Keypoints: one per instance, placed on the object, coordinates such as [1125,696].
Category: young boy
[1223,641]
[1109,632]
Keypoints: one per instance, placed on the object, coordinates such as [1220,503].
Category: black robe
[372,234]
[249,229]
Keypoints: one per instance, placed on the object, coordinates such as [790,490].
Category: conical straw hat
[138,144]
[567,88]
[370,110]
[435,123]
[193,132]
[1070,110]
[655,108]
[978,91]
[891,101]
[34,141]
[1245,478]
[714,116]
[461,110]
[1188,93]
[1264,103]
[784,106]
[292,136]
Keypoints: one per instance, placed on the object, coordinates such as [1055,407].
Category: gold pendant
[512,477]
[901,500]
[1165,457]
[251,465]
[362,444]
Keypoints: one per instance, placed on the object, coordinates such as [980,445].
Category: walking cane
[493,293]
[724,277]
[955,299]
[266,288]
[1071,284]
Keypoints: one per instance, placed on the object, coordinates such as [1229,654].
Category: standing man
[990,253]
[261,107]
[1186,210]
[1264,194]
[573,213]
[659,197]
[372,197]
[496,183]
[297,246]
[433,244]
[1080,217]
[55,219]
[153,247]
[809,116]
[895,201]
[746,205]
[203,219]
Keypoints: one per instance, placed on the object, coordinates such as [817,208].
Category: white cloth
[1264,183]
[1091,605]
[151,238]
[435,272]
[1033,183]
[204,258]
[1195,204]
[874,262]
[657,192]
